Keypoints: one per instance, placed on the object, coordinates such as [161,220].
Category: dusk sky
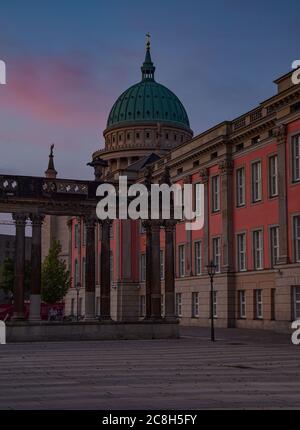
[68,61]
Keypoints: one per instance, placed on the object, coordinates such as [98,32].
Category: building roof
[148,101]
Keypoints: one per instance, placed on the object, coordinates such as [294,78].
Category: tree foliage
[55,276]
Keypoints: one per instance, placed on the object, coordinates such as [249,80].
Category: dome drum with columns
[146,118]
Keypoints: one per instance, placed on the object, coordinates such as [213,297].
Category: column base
[35,307]
[105,318]
[18,316]
[171,318]
[90,310]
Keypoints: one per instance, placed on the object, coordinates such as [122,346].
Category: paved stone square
[243,369]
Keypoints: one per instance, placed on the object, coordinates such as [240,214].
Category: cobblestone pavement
[243,369]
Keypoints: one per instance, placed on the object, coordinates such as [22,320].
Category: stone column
[169,270]
[105,271]
[90,273]
[147,226]
[155,269]
[18,309]
[281,135]
[36,265]
[204,176]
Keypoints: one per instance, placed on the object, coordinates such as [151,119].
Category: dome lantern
[148,68]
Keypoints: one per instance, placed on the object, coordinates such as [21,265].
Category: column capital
[226,167]
[89,220]
[170,225]
[37,219]
[20,218]
[204,175]
[105,222]
[156,224]
[280,133]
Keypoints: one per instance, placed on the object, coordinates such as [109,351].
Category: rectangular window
[84,235]
[215,304]
[197,199]
[162,265]
[241,248]
[258,249]
[274,245]
[181,251]
[98,306]
[242,304]
[256,181]
[296,158]
[80,307]
[273,292]
[76,273]
[258,304]
[297,237]
[142,306]
[240,187]
[198,259]
[72,307]
[111,267]
[273,176]
[217,253]
[179,304]
[195,305]
[296,299]
[162,304]
[83,271]
[143,268]
[77,240]
[215,188]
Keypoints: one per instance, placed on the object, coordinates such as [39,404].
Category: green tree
[55,276]
[7,276]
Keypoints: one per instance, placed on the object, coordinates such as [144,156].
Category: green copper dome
[148,101]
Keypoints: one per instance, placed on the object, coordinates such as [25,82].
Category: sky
[68,61]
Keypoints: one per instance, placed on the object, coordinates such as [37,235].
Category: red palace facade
[250,168]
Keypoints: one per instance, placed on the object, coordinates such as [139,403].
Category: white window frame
[215,304]
[259,304]
[143,268]
[296,231]
[83,271]
[216,245]
[142,310]
[256,182]
[296,158]
[273,175]
[258,249]
[240,187]
[274,245]
[195,305]
[198,257]
[181,261]
[215,193]
[162,264]
[296,302]
[178,305]
[242,252]
[242,304]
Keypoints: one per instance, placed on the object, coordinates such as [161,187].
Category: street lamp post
[77,286]
[211,270]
